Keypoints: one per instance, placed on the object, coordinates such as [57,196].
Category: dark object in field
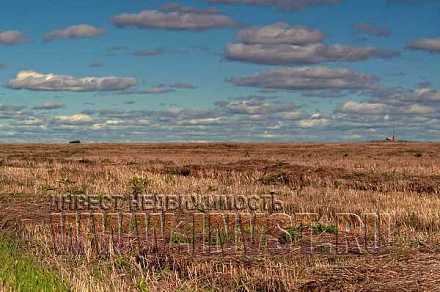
[180,171]
[75,142]
[279,178]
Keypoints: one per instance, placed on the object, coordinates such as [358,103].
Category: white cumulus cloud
[307,78]
[174,18]
[280,43]
[426,44]
[80,118]
[363,107]
[280,33]
[11,37]
[74,32]
[33,80]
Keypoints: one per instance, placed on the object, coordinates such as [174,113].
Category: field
[362,217]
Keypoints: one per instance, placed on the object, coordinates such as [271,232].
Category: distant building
[392,138]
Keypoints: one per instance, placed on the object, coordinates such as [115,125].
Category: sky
[219,70]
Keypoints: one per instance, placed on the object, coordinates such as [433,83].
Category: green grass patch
[293,234]
[21,272]
[323,228]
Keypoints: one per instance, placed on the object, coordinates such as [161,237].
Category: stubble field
[396,248]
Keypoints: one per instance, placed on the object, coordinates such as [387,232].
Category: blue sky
[219,70]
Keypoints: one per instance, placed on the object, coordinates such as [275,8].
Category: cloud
[11,37]
[113,50]
[415,111]
[280,33]
[280,43]
[371,29]
[75,119]
[363,108]
[175,18]
[427,94]
[182,86]
[282,4]
[158,90]
[12,112]
[307,78]
[314,122]
[175,7]
[96,65]
[201,122]
[11,108]
[165,88]
[49,105]
[419,109]
[368,111]
[256,106]
[426,44]
[148,53]
[412,2]
[74,32]
[329,93]
[310,54]
[32,80]
[397,96]
[240,119]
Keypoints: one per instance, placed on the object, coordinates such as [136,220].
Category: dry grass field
[399,183]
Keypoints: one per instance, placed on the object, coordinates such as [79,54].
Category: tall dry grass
[401,180]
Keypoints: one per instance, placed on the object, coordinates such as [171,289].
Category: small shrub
[138,185]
